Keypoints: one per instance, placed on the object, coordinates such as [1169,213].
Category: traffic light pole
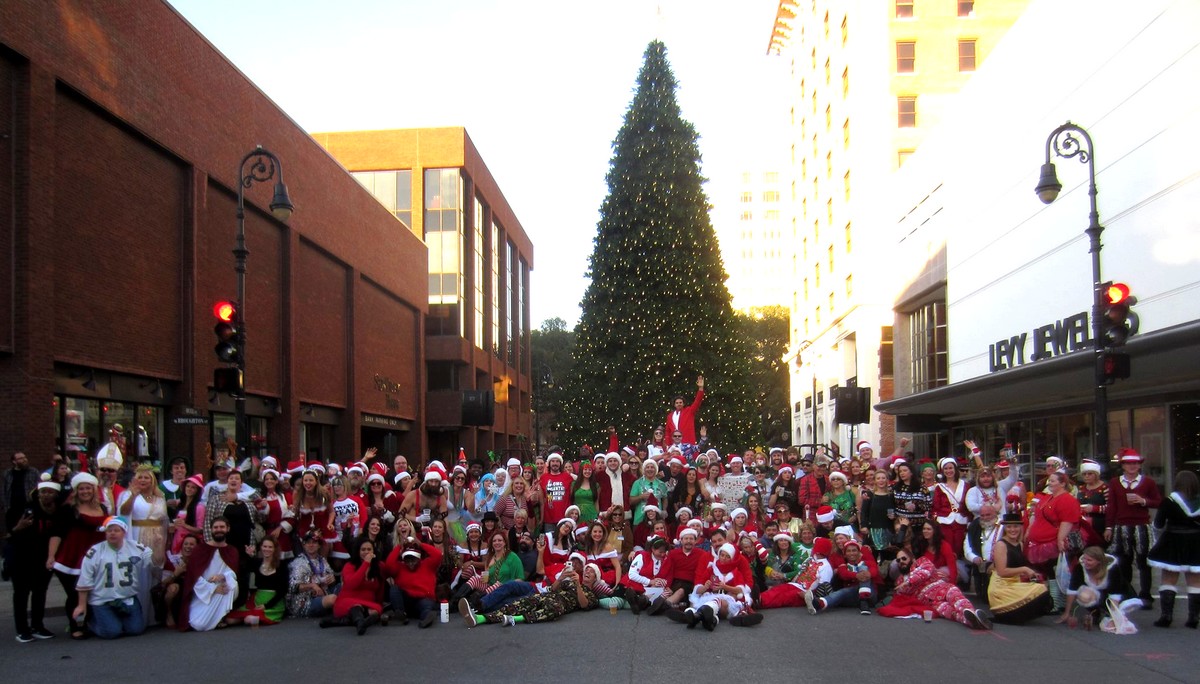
[263,166]
[1064,143]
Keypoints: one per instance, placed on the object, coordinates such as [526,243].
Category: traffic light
[1114,366]
[228,380]
[1119,322]
[227,331]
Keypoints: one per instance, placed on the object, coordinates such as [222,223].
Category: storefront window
[1150,439]
[224,428]
[150,434]
[1185,436]
[81,427]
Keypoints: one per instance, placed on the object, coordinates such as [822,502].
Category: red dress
[316,519]
[83,534]
[279,517]
[357,590]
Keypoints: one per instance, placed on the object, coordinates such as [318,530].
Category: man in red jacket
[683,418]
[857,574]
[413,568]
[684,562]
[1131,495]
[615,483]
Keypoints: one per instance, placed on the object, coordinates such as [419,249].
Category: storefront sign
[1044,342]
[383,421]
[385,384]
[189,420]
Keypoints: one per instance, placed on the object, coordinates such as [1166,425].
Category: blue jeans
[505,594]
[848,596]
[412,607]
[108,622]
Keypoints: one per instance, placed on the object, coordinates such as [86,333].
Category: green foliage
[656,313]
[551,350]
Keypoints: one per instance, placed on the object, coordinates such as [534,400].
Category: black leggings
[68,584]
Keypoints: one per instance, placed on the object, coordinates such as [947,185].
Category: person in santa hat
[312,508]
[810,584]
[857,578]
[722,589]
[811,488]
[428,501]
[949,505]
[555,487]
[278,517]
[685,562]
[920,587]
[1131,496]
[1093,500]
[649,576]
[827,521]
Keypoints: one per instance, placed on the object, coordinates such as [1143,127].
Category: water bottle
[445,611]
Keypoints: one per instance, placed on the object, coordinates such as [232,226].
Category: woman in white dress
[144,505]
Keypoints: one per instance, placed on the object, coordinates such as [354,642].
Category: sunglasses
[108,470]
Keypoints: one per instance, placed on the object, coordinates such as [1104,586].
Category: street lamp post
[1067,141]
[258,166]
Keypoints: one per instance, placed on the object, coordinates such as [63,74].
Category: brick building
[121,130]
[477,331]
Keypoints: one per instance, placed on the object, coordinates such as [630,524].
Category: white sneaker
[810,602]
[509,621]
[468,613]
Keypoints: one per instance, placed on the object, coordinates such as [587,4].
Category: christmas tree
[657,313]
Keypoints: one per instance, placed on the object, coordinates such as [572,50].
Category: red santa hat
[435,471]
[688,531]
[462,455]
[269,462]
[268,471]
[1003,463]
[839,475]
[851,542]
[822,546]
[947,460]
[1128,455]
[356,468]
[787,468]
[681,509]
[401,476]
[295,467]
[862,445]
[1089,466]
[629,450]
[196,479]
[379,469]
[825,514]
[114,520]
[513,462]
[675,461]
[317,467]
[333,469]
[473,526]
[87,478]
[554,457]
[727,548]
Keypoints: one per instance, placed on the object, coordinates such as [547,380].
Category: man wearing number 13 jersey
[108,583]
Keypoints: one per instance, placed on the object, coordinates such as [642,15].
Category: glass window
[1150,440]
[906,57]
[477,273]
[927,338]
[747,197]
[966,55]
[494,290]
[151,436]
[902,156]
[510,274]
[404,197]
[907,111]
[966,8]
[224,428]
[904,9]
[81,427]
[771,196]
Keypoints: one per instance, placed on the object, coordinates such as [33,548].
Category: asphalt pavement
[598,647]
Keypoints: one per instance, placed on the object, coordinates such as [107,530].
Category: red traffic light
[1116,293]
[225,311]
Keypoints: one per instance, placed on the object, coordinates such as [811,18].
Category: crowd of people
[663,528]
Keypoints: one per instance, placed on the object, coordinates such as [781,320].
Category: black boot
[358,617]
[334,622]
[708,616]
[370,619]
[1193,610]
[1166,604]
[746,619]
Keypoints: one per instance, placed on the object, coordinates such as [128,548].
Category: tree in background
[551,349]
[656,313]
[766,329]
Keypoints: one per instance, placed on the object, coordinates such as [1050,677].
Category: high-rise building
[868,80]
[755,233]
[477,331]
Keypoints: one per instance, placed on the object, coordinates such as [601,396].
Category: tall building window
[747,197]
[771,177]
[523,314]
[494,250]
[966,55]
[827,72]
[927,340]
[849,286]
[806,289]
[478,274]
[846,133]
[904,9]
[746,215]
[906,111]
[443,222]
[826,24]
[846,185]
[393,189]
[829,210]
[887,366]
[848,234]
[829,257]
[906,57]
[828,165]
[513,314]
[771,196]
[966,8]
[828,117]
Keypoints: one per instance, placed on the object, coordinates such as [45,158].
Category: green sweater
[510,569]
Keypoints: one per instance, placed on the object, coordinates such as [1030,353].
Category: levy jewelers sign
[1064,336]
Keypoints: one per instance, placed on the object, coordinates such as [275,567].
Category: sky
[541,86]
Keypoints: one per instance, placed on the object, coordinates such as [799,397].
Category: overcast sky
[540,85]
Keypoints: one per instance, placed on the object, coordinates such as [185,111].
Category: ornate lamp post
[259,166]
[1068,141]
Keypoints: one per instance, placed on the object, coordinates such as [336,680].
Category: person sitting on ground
[310,579]
[108,586]
[722,590]
[210,584]
[857,575]
[413,568]
[359,603]
[1097,578]
[685,562]
[265,604]
[1014,594]
[922,588]
[569,593]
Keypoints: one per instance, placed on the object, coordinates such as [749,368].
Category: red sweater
[849,577]
[419,583]
[1121,512]
[685,565]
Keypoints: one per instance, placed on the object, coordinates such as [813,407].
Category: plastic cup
[927,616]
[612,610]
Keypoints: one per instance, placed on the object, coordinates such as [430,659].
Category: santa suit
[730,572]
[604,498]
[684,420]
[644,569]
[815,576]
[949,508]
[279,516]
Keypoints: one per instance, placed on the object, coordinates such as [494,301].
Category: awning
[1165,365]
